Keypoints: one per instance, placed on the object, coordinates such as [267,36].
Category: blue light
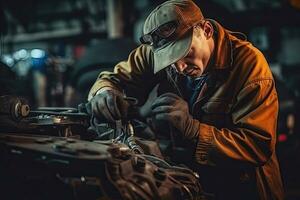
[37,53]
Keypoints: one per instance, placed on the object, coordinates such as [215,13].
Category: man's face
[197,59]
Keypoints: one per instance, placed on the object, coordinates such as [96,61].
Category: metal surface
[46,155]
[87,170]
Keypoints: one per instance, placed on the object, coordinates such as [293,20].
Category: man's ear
[208,29]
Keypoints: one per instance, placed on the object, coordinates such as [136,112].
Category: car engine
[61,153]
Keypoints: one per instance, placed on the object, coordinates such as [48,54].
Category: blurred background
[51,52]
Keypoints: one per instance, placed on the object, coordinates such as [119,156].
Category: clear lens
[160,36]
[166,30]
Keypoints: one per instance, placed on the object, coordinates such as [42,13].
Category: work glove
[174,110]
[109,104]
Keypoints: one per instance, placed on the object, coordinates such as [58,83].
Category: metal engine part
[39,167]
[53,163]
[13,107]
[16,116]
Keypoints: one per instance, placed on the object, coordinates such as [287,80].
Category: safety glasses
[161,35]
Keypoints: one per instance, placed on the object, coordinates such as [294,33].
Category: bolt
[138,163]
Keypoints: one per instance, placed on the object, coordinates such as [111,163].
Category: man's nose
[180,66]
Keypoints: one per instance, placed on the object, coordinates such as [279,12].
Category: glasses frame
[156,39]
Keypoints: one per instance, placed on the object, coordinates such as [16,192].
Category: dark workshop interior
[51,53]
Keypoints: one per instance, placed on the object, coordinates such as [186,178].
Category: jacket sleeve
[252,138]
[134,75]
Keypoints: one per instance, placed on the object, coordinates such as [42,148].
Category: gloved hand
[172,109]
[109,104]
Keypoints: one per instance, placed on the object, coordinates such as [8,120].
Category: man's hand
[109,104]
[171,108]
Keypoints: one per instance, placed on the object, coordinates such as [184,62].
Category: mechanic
[215,89]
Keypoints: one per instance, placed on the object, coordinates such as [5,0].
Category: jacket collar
[223,47]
